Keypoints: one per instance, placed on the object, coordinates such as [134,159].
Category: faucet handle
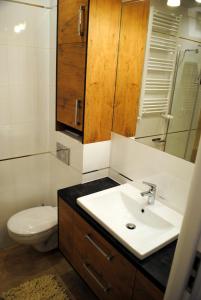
[151,185]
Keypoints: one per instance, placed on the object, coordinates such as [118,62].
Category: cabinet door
[66,215]
[144,289]
[70,84]
[72,21]
[133,34]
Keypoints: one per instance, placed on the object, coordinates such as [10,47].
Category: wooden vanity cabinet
[144,289]
[88,34]
[66,235]
[104,269]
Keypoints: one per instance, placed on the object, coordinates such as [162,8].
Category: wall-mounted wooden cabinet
[132,44]
[108,273]
[88,34]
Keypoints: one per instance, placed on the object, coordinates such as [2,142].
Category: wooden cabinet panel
[70,84]
[144,289]
[66,215]
[132,45]
[73,17]
[103,38]
[99,262]
[100,37]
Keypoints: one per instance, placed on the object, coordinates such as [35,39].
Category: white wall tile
[3,23]
[21,64]
[5,113]
[24,80]
[23,139]
[53,3]
[53,27]
[61,176]
[22,100]
[42,28]
[4,65]
[96,156]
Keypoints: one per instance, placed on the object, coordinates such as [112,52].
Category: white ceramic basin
[156,225]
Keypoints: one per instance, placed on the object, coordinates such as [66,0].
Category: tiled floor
[19,264]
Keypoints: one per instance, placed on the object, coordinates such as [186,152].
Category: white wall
[24,80]
[139,162]
[27,100]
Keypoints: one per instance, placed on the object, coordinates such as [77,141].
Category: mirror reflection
[170,103]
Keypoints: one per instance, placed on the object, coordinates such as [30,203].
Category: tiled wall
[27,98]
[24,108]
[24,79]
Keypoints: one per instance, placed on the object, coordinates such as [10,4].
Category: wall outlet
[63,153]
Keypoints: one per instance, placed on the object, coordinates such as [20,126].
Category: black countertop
[155,267]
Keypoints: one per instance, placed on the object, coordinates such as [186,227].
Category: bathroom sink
[141,228]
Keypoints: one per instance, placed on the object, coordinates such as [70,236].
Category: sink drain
[130,226]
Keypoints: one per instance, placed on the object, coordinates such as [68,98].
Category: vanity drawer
[109,274]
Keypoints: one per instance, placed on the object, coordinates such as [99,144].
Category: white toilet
[35,226]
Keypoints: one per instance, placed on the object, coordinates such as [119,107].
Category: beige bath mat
[47,287]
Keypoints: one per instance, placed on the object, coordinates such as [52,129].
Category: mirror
[170,103]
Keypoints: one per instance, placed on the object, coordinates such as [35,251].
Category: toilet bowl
[35,226]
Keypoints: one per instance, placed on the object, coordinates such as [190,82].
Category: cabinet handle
[78,105]
[107,256]
[91,273]
[81,20]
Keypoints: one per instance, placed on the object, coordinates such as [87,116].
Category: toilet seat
[33,220]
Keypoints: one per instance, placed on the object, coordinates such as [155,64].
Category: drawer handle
[90,272]
[107,256]
[78,105]
[81,20]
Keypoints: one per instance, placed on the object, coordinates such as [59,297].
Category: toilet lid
[33,220]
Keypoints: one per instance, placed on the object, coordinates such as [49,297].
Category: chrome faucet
[151,193]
